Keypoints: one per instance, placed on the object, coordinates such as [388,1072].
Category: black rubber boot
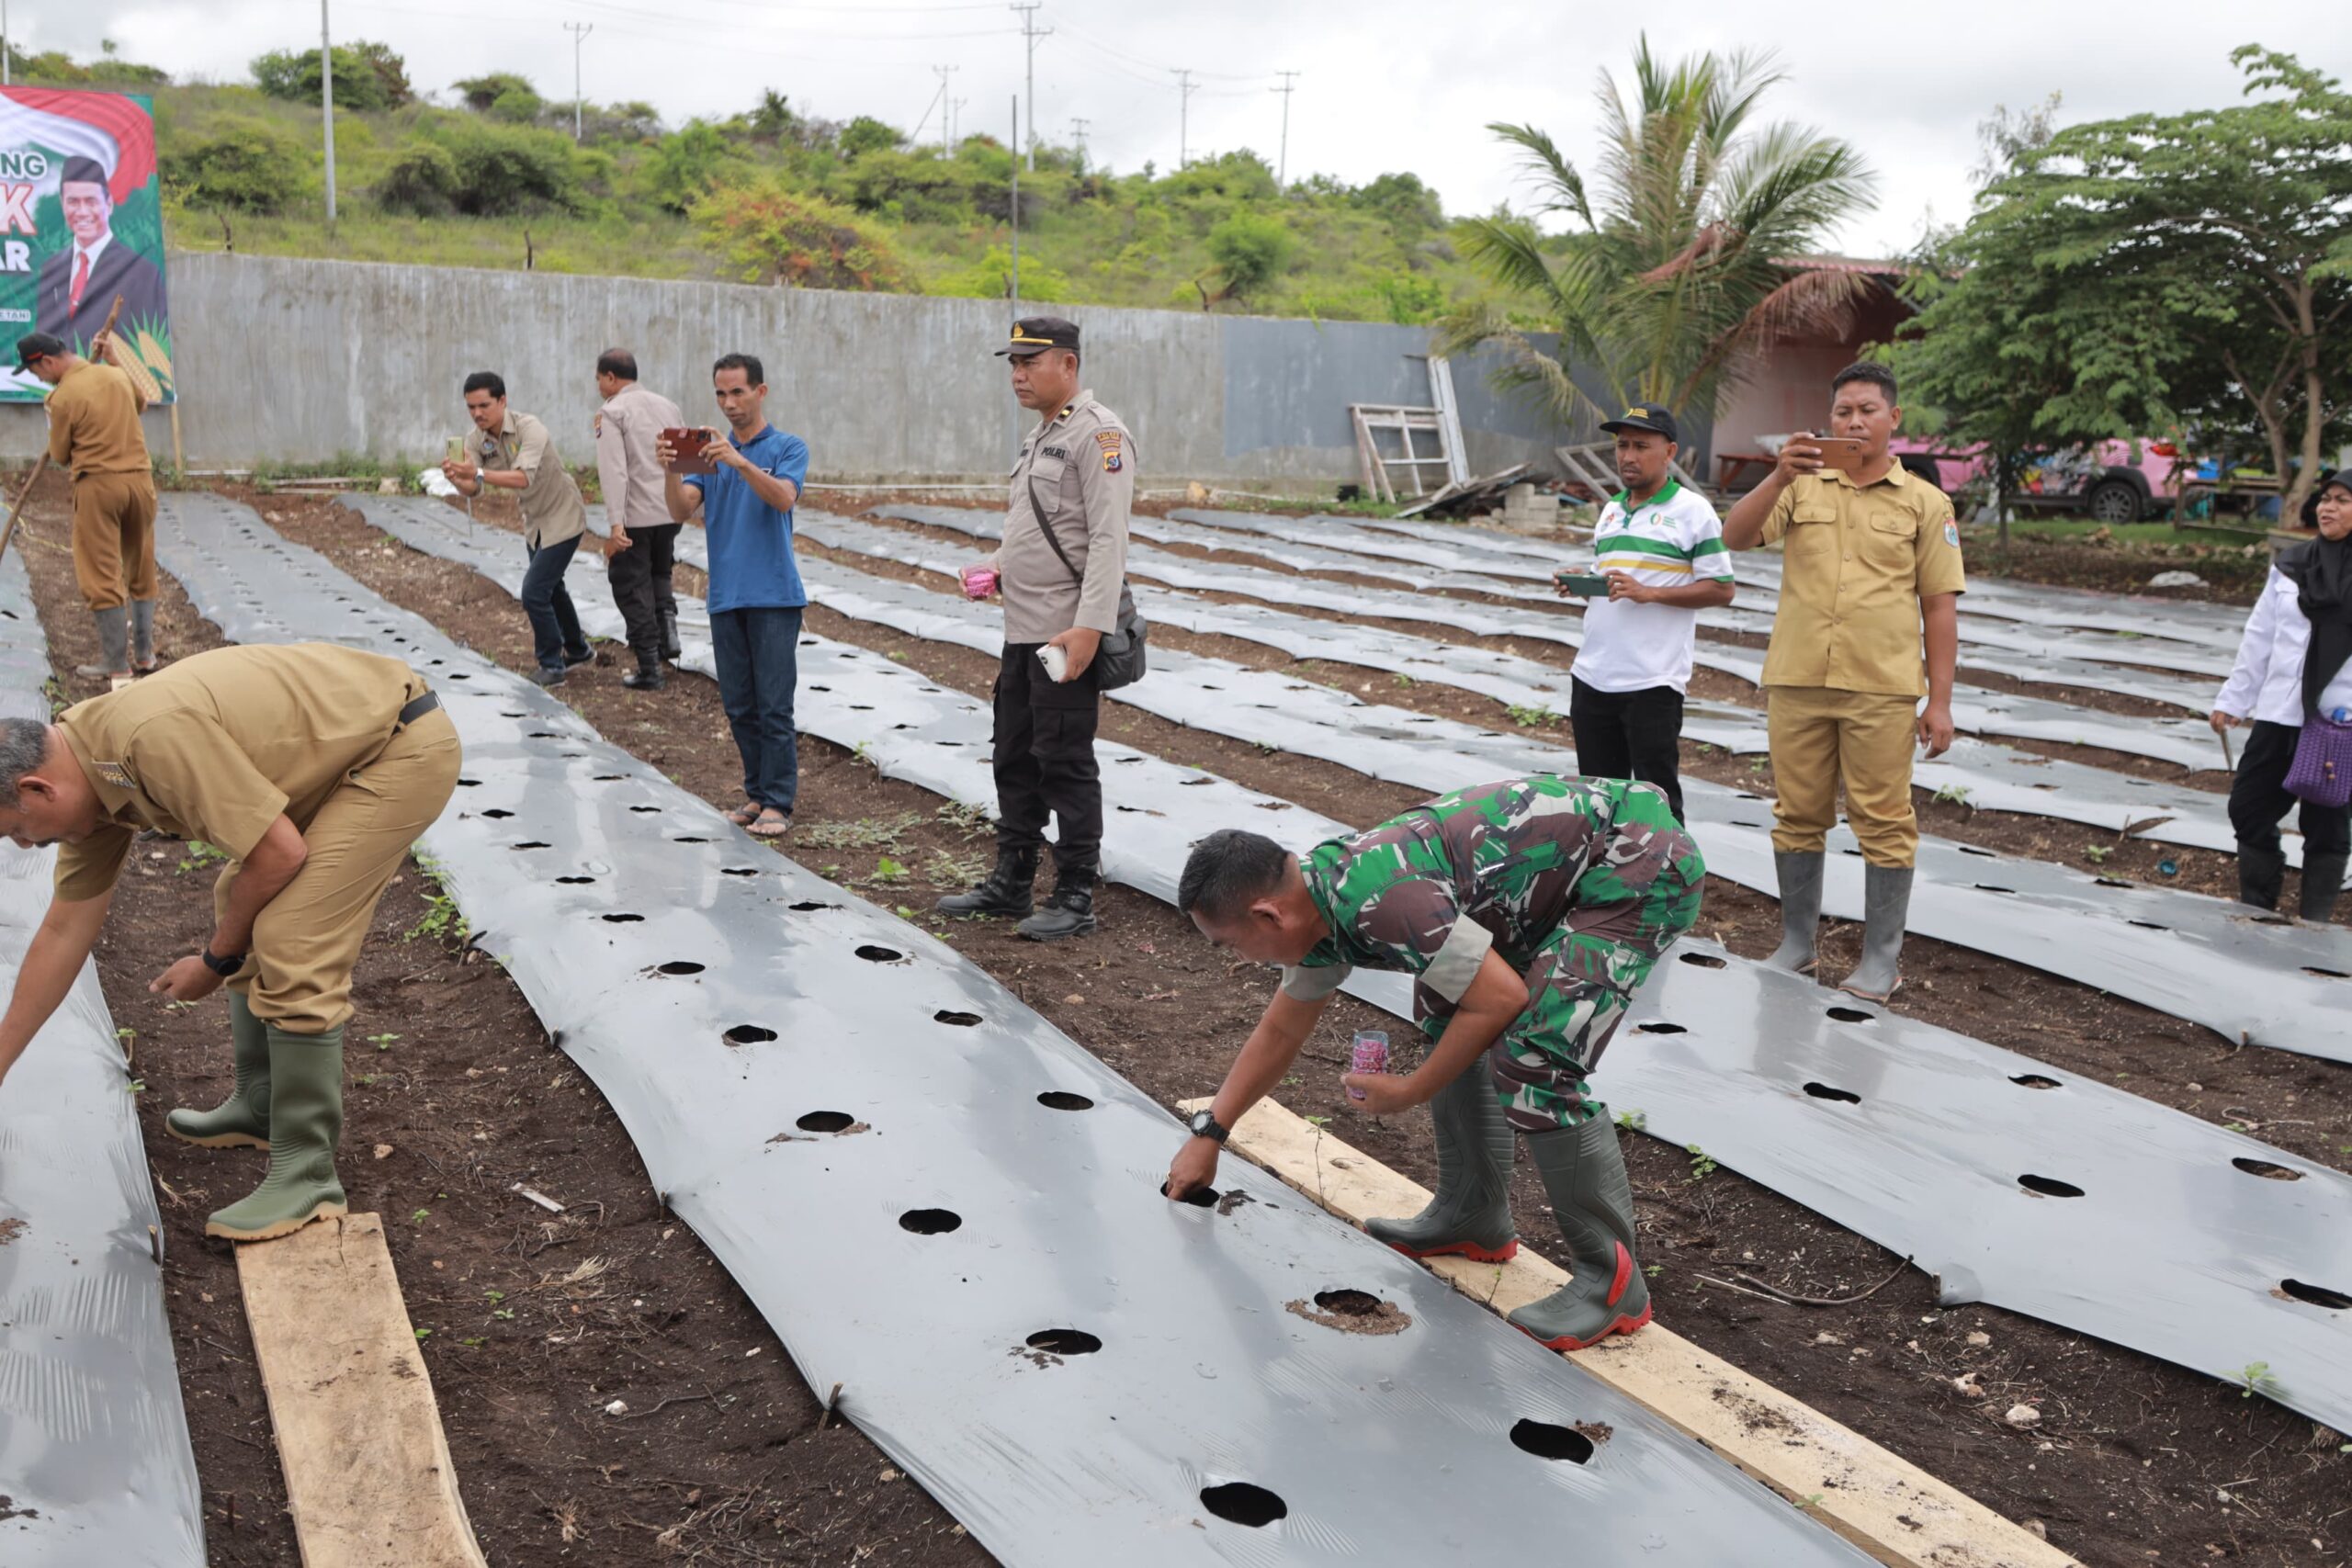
[2322,880]
[1469,1216]
[1005,891]
[1584,1172]
[1068,912]
[648,676]
[2262,869]
[1800,878]
[669,648]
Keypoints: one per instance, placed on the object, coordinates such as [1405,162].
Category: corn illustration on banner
[81,222]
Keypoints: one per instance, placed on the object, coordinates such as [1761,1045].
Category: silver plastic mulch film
[2013,1181]
[949,1209]
[95,1462]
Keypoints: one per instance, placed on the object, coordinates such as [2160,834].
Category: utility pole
[1015,289]
[1076,126]
[1184,89]
[326,101]
[1281,164]
[955,117]
[579,31]
[1030,33]
[4,43]
[946,109]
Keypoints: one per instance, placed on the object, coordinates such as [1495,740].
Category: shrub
[245,166]
[688,164]
[478,93]
[775,235]
[1251,250]
[866,134]
[517,106]
[484,171]
[367,76]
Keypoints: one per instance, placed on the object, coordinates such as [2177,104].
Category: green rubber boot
[1470,1216]
[305,1120]
[241,1120]
[1584,1171]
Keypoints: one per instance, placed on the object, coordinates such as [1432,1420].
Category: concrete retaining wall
[303,361]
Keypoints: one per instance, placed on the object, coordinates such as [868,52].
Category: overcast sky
[1383,85]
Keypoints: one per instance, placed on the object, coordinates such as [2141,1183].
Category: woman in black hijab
[2294,662]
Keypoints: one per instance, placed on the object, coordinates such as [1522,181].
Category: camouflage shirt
[1492,867]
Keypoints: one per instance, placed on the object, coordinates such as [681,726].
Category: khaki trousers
[114,539]
[1822,737]
[307,939]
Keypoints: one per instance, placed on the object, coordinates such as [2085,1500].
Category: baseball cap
[1035,334]
[1645,417]
[35,346]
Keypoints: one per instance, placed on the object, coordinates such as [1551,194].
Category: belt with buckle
[418,708]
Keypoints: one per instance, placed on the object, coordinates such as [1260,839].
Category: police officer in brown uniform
[94,434]
[1871,574]
[313,768]
[1061,570]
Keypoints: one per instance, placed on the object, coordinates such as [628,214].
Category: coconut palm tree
[1682,263]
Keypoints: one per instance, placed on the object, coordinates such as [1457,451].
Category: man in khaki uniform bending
[94,434]
[1061,570]
[313,768]
[1873,563]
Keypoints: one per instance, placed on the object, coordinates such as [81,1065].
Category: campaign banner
[81,222]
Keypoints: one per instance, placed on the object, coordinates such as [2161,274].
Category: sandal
[745,815]
[772,824]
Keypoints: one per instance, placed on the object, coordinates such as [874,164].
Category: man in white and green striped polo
[1661,548]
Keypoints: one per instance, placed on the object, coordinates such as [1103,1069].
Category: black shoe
[1005,891]
[548,677]
[668,622]
[2262,868]
[1070,912]
[585,656]
[647,676]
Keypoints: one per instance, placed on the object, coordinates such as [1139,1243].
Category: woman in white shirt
[2291,664]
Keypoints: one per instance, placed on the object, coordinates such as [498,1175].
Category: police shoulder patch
[1109,440]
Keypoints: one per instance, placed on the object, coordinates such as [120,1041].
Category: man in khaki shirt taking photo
[313,767]
[512,451]
[1871,564]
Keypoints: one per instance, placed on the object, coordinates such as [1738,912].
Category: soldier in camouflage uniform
[1529,910]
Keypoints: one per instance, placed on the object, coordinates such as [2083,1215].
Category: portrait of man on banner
[81,226]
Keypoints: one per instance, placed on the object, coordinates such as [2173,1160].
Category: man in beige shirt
[94,435]
[512,451]
[1062,569]
[313,767]
[641,541]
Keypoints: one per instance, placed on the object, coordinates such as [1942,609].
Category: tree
[367,76]
[771,119]
[1409,207]
[990,278]
[688,164]
[773,235]
[1684,271]
[478,93]
[484,171]
[2168,267]
[866,134]
[245,166]
[1251,249]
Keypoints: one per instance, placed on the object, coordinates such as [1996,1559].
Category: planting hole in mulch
[874,955]
[1660,1027]
[2263,1169]
[2035,1080]
[2317,1295]
[749,1035]
[1351,1312]
[2050,1186]
[1199,1197]
[836,1121]
[679,966]
[1238,1501]
[1545,1441]
[1064,1342]
[623,920]
[1702,960]
[1062,1100]
[961,1020]
[1823,1091]
[1852,1015]
[930,1222]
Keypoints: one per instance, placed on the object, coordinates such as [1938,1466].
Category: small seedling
[505,1314]
[2256,1378]
[476,1343]
[1293,1080]
[1529,717]
[1634,1119]
[420,1216]
[422,1334]
[137,1086]
[366,1080]
[1703,1165]
[887,870]
[201,856]
[382,1041]
[2096,853]
[1654,1269]
[1406,682]
[495,1296]
[1318,1121]
[906,912]
[1953,794]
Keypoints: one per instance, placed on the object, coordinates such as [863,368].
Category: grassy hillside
[492,178]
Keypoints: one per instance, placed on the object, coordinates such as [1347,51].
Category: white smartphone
[1056,662]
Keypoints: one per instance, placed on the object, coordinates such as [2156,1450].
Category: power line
[1184,90]
[579,31]
[1077,132]
[946,106]
[1281,164]
[1030,33]
[326,101]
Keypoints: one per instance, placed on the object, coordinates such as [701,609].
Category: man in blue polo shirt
[755,595]
[1662,550]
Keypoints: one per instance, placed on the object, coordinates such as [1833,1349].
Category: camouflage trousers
[1629,908]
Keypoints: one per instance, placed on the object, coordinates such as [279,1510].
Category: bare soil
[2131,1463]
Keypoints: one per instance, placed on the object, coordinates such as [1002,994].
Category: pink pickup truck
[2106,484]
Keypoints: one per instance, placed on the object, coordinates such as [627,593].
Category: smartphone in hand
[686,449]
[1843,453]
[1583,584]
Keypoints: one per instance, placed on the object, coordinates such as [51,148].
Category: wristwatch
[224,968]
[1204,1126]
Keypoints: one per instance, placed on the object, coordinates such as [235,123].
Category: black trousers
[1044,761]
[2258,797]
[640,579]
[1630,735]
